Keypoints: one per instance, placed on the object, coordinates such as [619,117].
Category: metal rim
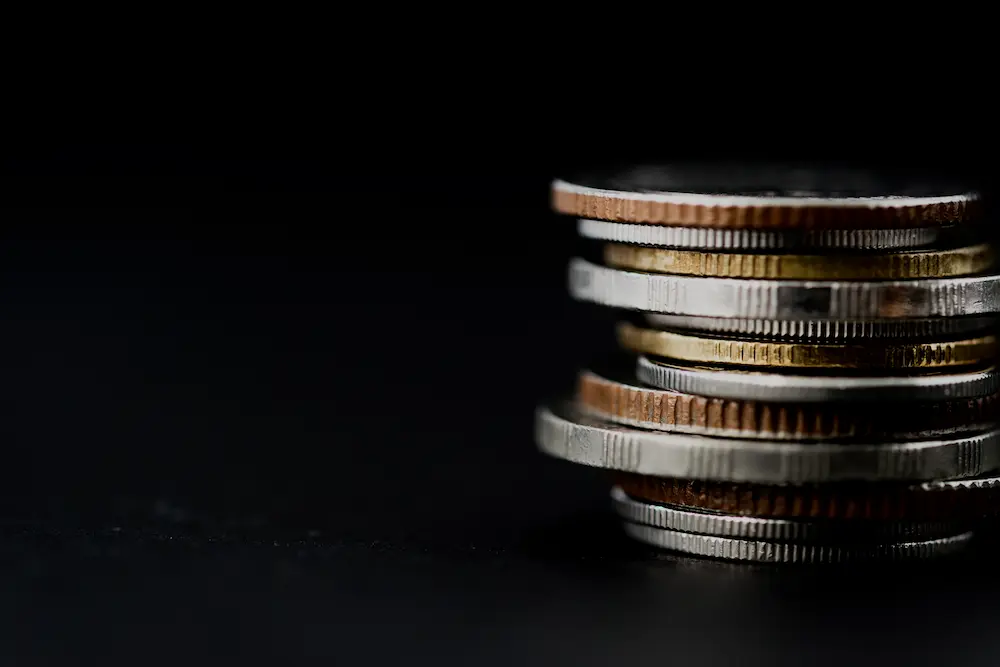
[778,388]
[790,552]
[762,197]
[909,264]
[825,330]
[770,185]
[702,522]
[875,356]
[662,236]
[784,299]
[564,432]
[614,400]
[948,500]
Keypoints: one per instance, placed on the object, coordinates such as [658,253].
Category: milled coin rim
[779,387]
[703,522]
[746,239]
[754,211]
[882,355]
[791,552]
[564,432]
[825,331]
[675,412]
[913,264]
[736,201]
[784,299]
[967,499]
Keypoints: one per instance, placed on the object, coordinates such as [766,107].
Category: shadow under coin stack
[810,374]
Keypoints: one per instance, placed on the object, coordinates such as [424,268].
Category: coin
[816,331]
[756,239]
[762,197]
[644,407]
[885,266]
[566,433]
[703,522]
[784,299]
[930,501]
[870,355]
[792,552]
[780,388]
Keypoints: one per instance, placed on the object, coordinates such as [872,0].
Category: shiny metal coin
[968,499]
[755,239]
[884,355]
[826,331]
[777,387]
[565,433]
[770,197]
[790,552]
[672,517]
[619,398]
[784,299]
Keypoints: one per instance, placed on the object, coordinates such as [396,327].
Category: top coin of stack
[813,361]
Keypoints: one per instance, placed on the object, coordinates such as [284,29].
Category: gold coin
[888,266]
[933,500]
[649,408]
[870,355]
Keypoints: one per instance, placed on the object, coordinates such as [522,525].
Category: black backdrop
[275,399]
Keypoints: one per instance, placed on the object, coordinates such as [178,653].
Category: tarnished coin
[703,522]
[957,499]
[873,355]
[784,299]
[763,197]
[566,433]
[792,552]
[934,263]
[648,408]
[710,238]
[827,331]
[783,387]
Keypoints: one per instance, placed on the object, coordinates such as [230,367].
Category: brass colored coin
[873,355]
[956,499]
[648,408]
[888,266]
[762,197]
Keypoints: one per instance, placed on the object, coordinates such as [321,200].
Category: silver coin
[984,482]
[565,433]
[784,388]
[790,552]
[726,186]
[784,299]
[825,330]
[711,238]
[672,517]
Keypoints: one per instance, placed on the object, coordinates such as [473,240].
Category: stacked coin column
[811,372]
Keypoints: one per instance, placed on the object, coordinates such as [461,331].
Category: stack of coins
[810,362]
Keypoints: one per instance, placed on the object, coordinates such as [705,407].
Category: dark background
[274,399]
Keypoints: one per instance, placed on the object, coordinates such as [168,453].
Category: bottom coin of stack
[811,470]
[735,537]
